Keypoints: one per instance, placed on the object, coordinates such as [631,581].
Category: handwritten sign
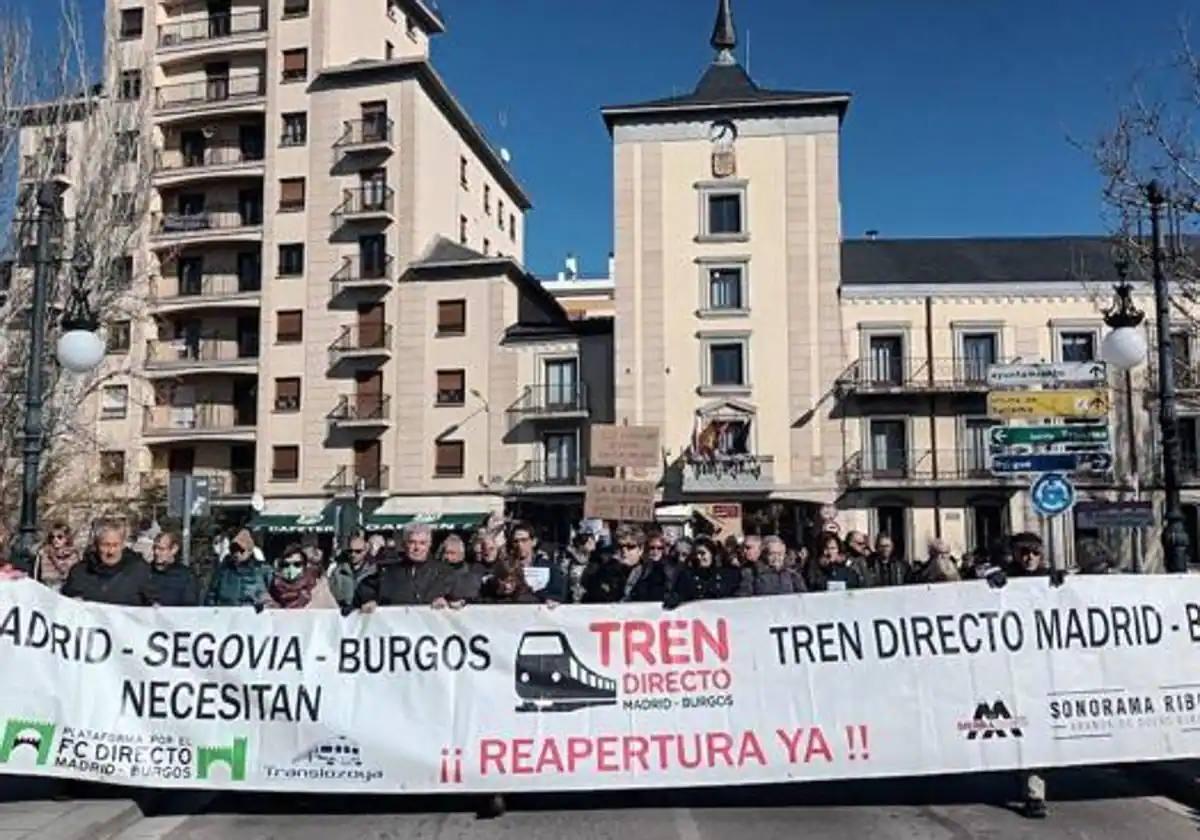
[626,446]
[614,498]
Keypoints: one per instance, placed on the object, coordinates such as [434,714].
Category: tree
[83,127]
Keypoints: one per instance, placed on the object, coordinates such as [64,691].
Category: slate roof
[867,262]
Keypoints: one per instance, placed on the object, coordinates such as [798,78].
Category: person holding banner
[507,585]
[57,557]
[466,578]
[606,579]
[110,573]
[356,565]
[545,577]
[241,579]
[174,583]
[712,576]
[299,584]
[829,571]
[659,577]
[413,580]
[772,576]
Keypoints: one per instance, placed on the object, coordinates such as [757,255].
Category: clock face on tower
[723,133]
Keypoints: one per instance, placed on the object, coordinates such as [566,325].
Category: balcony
[373,342]
[729,474]
[362,412]
[220,29]
[230,487]
[916,469]
[366,204]
[176,166]
[357,273]
[217,223]
[371,480]
[211,95]
[205,291]
[546,475]
[204,420]
[910,376]
[202,355]
[550,402]
[373,134]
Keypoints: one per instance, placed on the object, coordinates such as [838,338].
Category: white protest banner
[918,680]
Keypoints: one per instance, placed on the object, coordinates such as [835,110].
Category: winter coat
[820,577]
[345,579]
[604,581]
[176,586]
[54,566]
[768,581]
[467,580]
[935,571]
[714,582]
[239,584]
[891,572]
[320,597]
[129,583]
[490,593]
[405,583]
[666,582]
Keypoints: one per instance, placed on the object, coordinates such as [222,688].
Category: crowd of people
[504,566]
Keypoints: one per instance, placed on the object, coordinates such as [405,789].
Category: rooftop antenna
[748,73]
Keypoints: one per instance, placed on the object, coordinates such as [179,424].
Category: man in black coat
[110,573]
[174,583]
[659,577]
[412,580]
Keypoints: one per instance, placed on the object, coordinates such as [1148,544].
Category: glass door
[561,458]
[979,354]
[889,448]
[562,384]
[886,361]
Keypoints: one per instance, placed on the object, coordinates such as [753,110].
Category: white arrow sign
[1047,373]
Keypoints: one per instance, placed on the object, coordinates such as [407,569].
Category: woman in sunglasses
[299,584]
[56,557]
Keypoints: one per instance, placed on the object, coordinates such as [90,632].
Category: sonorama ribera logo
[993,720]
[25,735]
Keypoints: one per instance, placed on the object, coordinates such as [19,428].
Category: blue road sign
[1053,462]
[1052,495]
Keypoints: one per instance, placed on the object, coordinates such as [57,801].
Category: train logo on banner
[551,678]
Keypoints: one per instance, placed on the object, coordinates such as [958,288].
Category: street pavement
[1095,804]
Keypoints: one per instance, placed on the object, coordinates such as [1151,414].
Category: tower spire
[724,37]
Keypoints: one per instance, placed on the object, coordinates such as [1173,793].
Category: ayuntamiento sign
[509,698]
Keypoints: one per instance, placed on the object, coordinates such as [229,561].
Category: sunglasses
[629,546]
[655,547]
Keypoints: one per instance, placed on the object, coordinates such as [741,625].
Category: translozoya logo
[993,721]
[22,732]
[234,757]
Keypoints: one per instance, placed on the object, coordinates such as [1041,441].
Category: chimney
[572,267]
[872,234]
[612,265]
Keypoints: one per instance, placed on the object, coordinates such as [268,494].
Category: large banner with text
[922,680]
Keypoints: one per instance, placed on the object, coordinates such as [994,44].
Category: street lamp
[1125,348]
[79,350]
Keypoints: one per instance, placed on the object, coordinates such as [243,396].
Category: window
[562,384]
[487,199]
[561,458]
[295,65]
[1078,346]
[295,8]
[291,195]
[131,23]
[125,208]
[979,352]
[462,172]
[512,227]
[127,146]
[118,337]
[295,129]
[120,275]
[410,27]
[500,213]
[451,387]
[451,455]
[289,326]
[987,523]
[888,453]
[976,446]
[285,463]
[374,122]
[727,363]
[726,290]
[131,85]
[885,360]
[452,317]
[291,259]
[487,246]
[112,467]
[723,213]
[389,50]
[462,230]
[287,394]
[114,402]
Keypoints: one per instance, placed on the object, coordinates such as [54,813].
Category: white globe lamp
[1124,348]
[80,350]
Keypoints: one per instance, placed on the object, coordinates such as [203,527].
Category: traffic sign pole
[187,520]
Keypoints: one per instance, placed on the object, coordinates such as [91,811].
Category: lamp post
[79,350]
[1125,348]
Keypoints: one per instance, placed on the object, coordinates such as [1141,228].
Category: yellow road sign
[1081,402]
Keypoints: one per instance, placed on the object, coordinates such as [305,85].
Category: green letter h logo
[19,732]
[233,757]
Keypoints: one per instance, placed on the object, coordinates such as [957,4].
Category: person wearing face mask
[829,571]
[174,583]
[772,575]
[298,584]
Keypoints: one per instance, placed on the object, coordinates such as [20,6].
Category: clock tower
[727,265]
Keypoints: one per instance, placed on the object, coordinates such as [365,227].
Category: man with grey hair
[110,573]
[411,580]
[466,577]
[771,575]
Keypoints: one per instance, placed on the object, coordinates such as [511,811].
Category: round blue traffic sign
[1052,494]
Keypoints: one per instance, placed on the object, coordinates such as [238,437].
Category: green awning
[439,521]
[322,522]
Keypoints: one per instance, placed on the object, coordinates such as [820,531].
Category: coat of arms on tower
[724,159]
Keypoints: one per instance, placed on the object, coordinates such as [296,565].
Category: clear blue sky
[959,125]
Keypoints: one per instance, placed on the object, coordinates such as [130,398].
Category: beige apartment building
[335,306]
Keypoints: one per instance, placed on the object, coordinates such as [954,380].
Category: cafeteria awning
[285,519]
[437,521]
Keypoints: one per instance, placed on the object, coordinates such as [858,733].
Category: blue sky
[960,123]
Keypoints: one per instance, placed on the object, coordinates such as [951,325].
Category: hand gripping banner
[911,681]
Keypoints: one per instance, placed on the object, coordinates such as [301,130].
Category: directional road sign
[1048,462]
[1079,403]
[1031,435]
[1046,373]
[1052,495]
[1115,514]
